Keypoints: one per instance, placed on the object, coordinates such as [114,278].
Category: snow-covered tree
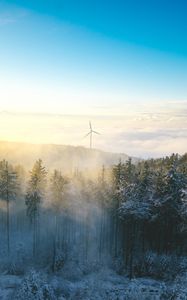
[58,186]
[34,196]
[8,191]
[35,287]
[167,206]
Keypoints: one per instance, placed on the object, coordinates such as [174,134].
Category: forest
[62,234]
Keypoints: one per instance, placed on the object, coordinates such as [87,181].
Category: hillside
[65,158]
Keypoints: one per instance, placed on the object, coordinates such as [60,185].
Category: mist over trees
[34,195]
[131,217]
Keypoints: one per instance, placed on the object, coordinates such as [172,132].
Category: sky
[100,59]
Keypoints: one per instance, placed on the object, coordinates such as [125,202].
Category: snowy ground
[110,286]
[104,284]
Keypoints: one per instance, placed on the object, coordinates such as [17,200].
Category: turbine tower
[90,133]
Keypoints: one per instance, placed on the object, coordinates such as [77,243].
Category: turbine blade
[95,132]
[87,134]
[90,124]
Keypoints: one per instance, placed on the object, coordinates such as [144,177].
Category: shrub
[35,287]
[165,267]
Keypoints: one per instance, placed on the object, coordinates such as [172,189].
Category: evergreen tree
[58,185]
[34,196]
[176,184]
[118,175]
[8,191]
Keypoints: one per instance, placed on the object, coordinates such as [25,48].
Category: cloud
[153,144]
[152,135]
[137,134]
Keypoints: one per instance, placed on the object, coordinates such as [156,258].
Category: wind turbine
[90,133]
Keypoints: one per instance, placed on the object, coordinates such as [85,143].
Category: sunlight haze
[57,61]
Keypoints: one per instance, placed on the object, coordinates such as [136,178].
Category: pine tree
[8,191]
[176,184]
[58,185]
[129,171]
[104,198]
[34,196]
[118,173]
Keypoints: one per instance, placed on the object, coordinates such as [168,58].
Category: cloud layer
[152,133]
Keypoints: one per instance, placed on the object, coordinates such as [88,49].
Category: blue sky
[159,24]
[70,56]
[121,64]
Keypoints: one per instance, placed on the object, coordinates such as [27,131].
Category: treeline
[152,205]
[49,212]
[122,213]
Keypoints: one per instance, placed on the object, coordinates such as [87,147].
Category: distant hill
[65,158]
